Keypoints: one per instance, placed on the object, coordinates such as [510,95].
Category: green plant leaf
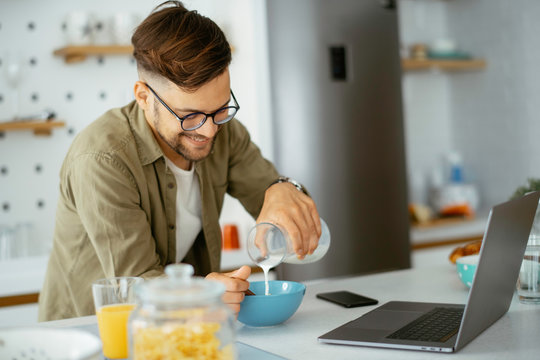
[533,185]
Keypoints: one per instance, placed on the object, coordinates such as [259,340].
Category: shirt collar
[147,145]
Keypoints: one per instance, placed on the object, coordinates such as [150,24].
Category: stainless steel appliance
[336,94]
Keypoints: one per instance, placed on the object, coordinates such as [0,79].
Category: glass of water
[528,285]
[7,245]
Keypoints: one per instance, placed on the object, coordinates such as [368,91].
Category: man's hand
[295,212]
[235,286]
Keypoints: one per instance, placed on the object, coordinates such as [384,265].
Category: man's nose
[208,129]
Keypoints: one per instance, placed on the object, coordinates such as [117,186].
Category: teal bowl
[261,310]
[466,268]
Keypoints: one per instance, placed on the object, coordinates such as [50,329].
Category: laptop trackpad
[385,319]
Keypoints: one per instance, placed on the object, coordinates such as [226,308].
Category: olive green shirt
[117,208]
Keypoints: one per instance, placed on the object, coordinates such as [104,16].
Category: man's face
[193,145]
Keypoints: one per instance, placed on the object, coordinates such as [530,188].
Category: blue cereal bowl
[466,268]
[260,310]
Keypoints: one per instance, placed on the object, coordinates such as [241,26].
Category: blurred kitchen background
[423,108]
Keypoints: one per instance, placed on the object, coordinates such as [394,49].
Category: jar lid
[180,287]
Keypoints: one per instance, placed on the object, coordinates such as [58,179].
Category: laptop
[404,325]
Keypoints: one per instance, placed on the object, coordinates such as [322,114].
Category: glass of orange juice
[114,299]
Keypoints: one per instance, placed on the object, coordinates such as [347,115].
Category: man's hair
[181,45]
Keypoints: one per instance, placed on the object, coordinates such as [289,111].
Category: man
[143,185]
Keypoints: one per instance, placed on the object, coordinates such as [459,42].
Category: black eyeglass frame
[181,119]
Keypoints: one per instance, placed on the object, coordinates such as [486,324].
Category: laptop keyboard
[438,325]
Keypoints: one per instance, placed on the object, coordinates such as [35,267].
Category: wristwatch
[296,184]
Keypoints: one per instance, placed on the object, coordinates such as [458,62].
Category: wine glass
[13,70]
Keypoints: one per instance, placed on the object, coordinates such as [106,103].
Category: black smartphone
[347,299]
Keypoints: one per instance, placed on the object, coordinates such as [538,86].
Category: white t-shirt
[188,208]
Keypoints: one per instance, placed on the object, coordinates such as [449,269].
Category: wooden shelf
[38,127]
[74,54]
[447,65]
[444,221]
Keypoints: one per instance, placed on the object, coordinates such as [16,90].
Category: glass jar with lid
[181,316]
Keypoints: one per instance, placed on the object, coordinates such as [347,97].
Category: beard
[180,143]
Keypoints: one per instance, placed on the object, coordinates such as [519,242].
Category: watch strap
[296,184]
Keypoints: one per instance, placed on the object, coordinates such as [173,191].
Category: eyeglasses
[195,120]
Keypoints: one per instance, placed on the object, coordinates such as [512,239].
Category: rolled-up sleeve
[249,172]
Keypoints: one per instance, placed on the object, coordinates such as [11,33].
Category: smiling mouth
[199,140]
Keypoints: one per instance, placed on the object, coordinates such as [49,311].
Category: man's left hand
[286,206]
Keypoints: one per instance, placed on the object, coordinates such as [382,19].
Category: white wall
[426,97]
[495,113]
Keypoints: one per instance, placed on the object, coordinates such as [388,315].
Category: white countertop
[515,335]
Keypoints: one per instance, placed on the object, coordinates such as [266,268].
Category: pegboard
[79,93]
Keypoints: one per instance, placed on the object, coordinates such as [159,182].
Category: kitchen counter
[513,336]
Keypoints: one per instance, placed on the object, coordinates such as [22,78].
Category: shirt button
[171,227]
[170,185]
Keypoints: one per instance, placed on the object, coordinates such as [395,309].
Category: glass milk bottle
[179,317]
[269,245]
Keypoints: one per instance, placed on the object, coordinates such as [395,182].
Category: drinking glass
[25,240]
[114,299]
[528,284]
[6,242]
[13,71]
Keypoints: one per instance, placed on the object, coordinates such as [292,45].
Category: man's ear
[142,93]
